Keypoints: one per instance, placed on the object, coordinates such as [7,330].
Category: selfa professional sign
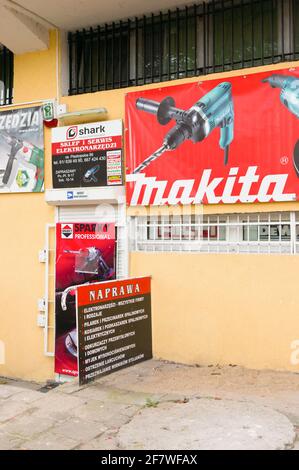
[114,326]
[85,252]
[87,155]
[218,141]
[21,150]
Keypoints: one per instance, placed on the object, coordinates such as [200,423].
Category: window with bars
[275,232]
[6,76]
[204,38]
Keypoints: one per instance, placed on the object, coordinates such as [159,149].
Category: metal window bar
[6,76]
[235,233]
[203,38]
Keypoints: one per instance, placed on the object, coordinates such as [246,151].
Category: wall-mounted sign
[87,155]
[48,111]
[114,326]
[21,150]
[50,114]
[85,252]
[217,141]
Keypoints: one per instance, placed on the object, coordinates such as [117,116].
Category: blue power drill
[289,96]
[215,109]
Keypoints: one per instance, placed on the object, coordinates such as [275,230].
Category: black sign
[114,326]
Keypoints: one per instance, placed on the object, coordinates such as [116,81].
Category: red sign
[114,290]
[219,141]
[87,155]
[85,253]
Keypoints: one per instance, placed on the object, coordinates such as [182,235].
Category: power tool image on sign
[85,253]
[23,159]
[289,97]
[88,261]
[215,109]
[21,151]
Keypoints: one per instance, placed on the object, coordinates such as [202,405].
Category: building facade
[224,276]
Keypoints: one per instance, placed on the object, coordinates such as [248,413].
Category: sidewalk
[155,405]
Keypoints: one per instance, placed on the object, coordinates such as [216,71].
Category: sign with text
[22,150]
[229,140]
[87,155]
[85,253]
[114,326]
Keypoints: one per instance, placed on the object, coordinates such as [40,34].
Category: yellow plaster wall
[222,308]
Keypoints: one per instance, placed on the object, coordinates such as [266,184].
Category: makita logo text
[237,188]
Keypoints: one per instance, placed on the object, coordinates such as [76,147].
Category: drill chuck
[149,106]
[276,80]
[176,136]
[165,111]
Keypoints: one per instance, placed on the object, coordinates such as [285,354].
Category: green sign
[48,111]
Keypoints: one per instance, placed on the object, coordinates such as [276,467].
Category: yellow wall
[240,308]
[223,309]
[22,235]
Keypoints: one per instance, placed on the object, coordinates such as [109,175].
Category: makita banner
[218,141]
[87,155]
[85,253]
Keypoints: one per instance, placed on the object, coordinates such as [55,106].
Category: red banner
[218,141]
[85,253]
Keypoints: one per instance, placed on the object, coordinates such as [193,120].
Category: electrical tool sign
[21,150]
[114,326]
[85,253]
[87,155]
[217,141]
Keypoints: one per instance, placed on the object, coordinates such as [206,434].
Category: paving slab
[207,425]
[11,409]
[115,395]
[106,441]
[79,429]
[27,426]
[107,413]
[7,391]
[9,442]
[56,406]
[26,396]
[49,441]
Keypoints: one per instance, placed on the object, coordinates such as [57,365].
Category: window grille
[6,76]
[209,37]
[275,232]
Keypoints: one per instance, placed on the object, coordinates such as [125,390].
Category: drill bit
[150,159]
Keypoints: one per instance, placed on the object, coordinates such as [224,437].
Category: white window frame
[204,233]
